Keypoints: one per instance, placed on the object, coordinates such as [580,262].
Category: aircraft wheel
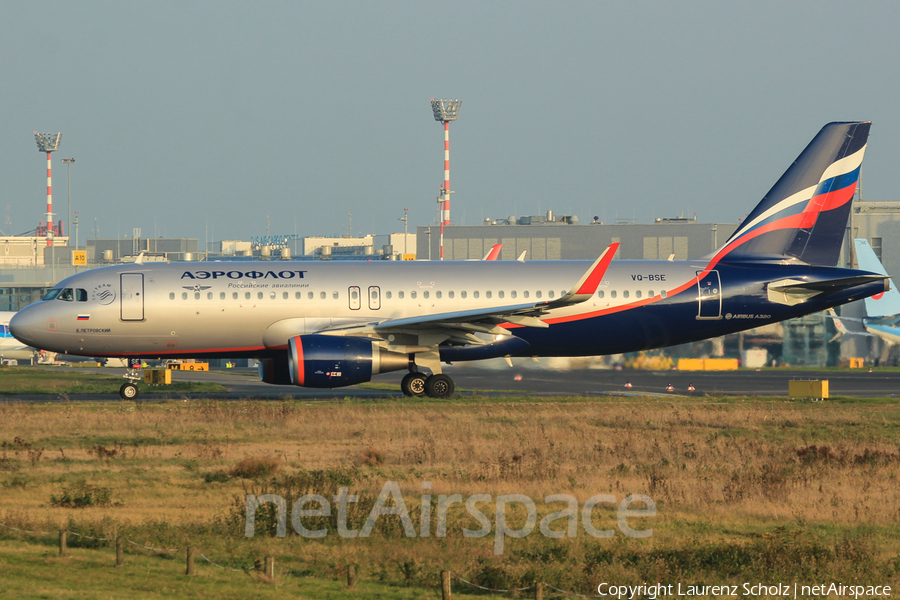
[128,391]
[413,384]
[439,386]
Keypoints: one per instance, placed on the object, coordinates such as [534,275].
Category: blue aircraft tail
[887,303]
[804,216]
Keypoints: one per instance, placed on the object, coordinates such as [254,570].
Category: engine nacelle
[325,361]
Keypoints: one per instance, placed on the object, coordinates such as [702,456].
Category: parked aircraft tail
[804,216]
[884,304]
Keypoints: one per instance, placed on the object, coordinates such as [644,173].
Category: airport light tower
[48,142]
[68,162]
[444,112]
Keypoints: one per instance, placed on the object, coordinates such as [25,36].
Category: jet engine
[324,361]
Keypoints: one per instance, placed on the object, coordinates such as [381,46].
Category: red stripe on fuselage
[199,351]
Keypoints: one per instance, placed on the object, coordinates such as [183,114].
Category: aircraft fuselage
[234,309]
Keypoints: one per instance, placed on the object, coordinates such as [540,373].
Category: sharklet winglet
[590,281]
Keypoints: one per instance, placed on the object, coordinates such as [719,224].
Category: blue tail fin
[886,304]
[804,216]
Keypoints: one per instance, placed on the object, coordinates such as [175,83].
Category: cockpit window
[51,294]
[81,295]
[67,295]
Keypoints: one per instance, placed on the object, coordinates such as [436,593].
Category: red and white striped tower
[48,142]
[444,112]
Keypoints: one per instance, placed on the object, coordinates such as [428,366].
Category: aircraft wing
[461,326]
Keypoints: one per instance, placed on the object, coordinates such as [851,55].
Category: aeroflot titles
[241,274]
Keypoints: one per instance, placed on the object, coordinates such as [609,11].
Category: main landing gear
[433,386]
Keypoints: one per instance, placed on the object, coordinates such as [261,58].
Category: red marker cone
[691,387]
[628,385]
[670,388]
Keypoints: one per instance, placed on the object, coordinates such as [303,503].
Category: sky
[216,120]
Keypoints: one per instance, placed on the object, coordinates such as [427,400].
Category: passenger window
[209,295]
[259,295]
[425,294]
[513,294]
[501,293]
[525,293]
[650,294]
[463,294]
[400,295]
[551,294]
[475,294]
[246,295]
[412,295]
[625,294]
[310,295]
[284,296]
[81,295]
[437,294]
[637,294]
[271,295]
[171,295]
[387,295]
[234,295]
[221,295]
[612,294]
[601,294]
[663,293]
[451,294]
[322,295]
[487,294]
[298,295]
[335,295]
[537,294]
[184,295]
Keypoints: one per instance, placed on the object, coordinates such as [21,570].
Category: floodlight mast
[68,162]
[444,112]
[48,142]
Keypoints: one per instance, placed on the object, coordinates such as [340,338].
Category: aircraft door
[354,297]
[374,297]
[709,295]
[132,296]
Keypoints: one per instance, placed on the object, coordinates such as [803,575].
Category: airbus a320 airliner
[333,324]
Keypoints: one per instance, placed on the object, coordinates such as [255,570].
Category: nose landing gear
[129,391]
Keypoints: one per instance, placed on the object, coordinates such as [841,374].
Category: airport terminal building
[563,238]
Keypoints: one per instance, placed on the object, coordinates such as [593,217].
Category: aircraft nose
[24,326]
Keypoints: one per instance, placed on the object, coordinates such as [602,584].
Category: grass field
[745,490]
[29,380]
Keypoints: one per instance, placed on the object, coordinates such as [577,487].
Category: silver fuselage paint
[215,307]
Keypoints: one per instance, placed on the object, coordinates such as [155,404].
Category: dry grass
[724,477]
